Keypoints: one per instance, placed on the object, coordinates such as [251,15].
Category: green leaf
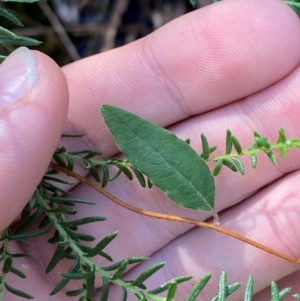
[17,292]
[172,290]
[85,237]
[105,290]
[75,292]
[17,272]
[228,142]
[93,170]
[249,289]
[64,282]
[281,134]
[166,285]
[148,273]
[196,290]
[83,221]
[11,17]
[236,144]
[121,270]
[30,222]
[222,286]
[254,160]
[230,165]
[274,292]
[239,164]
[102,244]
[7,265]
[140,177]
[296,296]
[170,163]
[30,235]
[205,147]
[283,293]
[218,167]
[56,258]
[76,276]
[131,260]
[124,294]
[271,156]
[59,160]
[262,142]
[105,177]
[90,285]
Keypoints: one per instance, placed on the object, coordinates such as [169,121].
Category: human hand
[231,65]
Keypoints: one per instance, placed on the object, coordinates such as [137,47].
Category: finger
[198,62]
[250,112]
[231,187]
[269,217]
[34,103]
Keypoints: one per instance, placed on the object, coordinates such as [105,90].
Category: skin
[230,65]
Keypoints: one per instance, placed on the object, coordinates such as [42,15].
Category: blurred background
[73,29]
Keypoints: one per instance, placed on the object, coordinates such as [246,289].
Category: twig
[59,29]
[174,218]
[115,20]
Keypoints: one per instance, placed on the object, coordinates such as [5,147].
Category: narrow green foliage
[131,260]
[205,147]
[102,244]
[236,144]
[30,235]
[172,290]
[78,275]
[30,222]
[249,289]
[74,268]
[57,256]
[148,273]
[90,285]
[283,293]
[75,292]
[140,177]
[275,292]
[271,156]
[166,285]
[222,286]
[17,292]
[228,142]
[230,165]
[7,265]
[83,221]
[105,290]
[218,167]
[17,272]
[254,160]
[196,290]
[296,296]
[121,270]
[11,17]
[124,294]
[239,164]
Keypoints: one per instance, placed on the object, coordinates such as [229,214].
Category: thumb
[33,109]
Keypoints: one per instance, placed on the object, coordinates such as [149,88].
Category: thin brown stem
[174,218]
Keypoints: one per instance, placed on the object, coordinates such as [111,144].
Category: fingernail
[18,73]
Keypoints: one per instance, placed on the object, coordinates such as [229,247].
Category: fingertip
[30,127]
